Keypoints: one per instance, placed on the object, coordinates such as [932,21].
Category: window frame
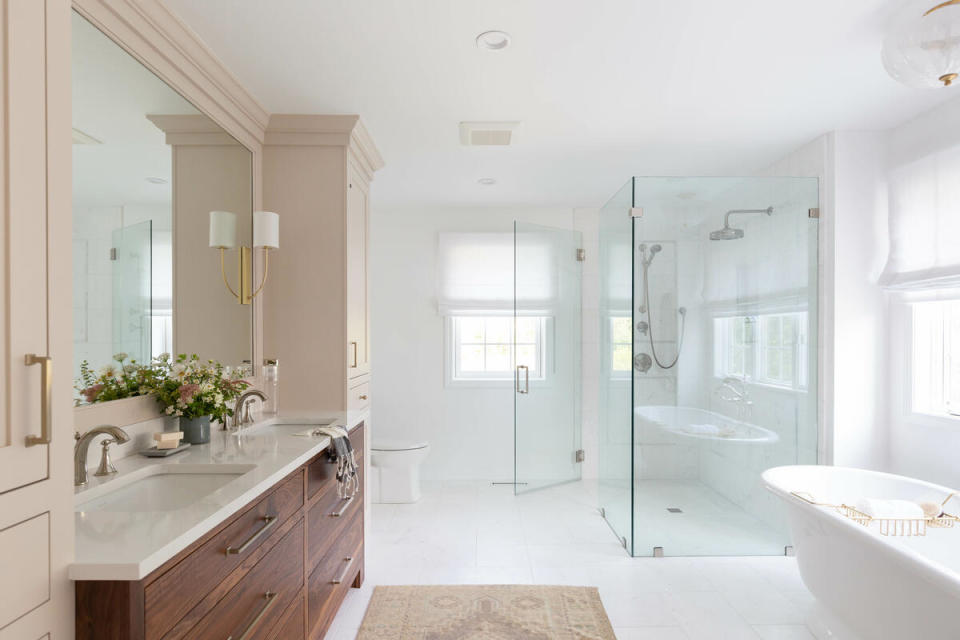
[616,374]
[935,410]
[755,351]
[454,377]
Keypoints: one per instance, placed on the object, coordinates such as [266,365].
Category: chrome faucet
[241,409]
[118,436]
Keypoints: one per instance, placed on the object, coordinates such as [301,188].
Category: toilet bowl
[396,470]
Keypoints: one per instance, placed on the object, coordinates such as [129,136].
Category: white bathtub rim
[946,578]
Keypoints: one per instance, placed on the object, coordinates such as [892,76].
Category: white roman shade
[924,199]
[475,272]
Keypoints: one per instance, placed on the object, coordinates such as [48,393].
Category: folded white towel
[882,509]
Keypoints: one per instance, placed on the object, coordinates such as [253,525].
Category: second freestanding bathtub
[881,587]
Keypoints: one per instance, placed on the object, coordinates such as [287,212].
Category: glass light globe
[923,50]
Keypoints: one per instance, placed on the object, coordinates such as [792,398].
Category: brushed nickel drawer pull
[343,509]
[268,523]
[346,570]
[270,597]
[46,398]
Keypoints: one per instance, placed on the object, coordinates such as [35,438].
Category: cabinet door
[358,325]
[36,514]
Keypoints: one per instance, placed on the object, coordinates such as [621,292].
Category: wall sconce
[266,236]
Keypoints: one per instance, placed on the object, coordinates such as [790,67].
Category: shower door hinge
[580,455]
[814,212]
[113,253]
[581,255]
[636,212]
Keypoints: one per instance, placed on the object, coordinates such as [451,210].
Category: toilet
[395,470]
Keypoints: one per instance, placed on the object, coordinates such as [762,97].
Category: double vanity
[244,538]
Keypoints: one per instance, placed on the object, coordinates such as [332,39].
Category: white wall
[919,447]
[470,429]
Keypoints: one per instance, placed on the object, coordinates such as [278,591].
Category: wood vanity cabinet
[316,174]
[294,552]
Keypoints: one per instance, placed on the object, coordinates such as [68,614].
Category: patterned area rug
[486,612]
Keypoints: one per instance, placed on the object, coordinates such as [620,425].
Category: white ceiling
[605,88]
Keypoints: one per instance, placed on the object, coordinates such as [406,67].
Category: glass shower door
[546,356]
[132,276]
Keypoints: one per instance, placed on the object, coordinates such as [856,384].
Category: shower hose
[683,324]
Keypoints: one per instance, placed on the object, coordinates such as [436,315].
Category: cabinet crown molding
[290,129]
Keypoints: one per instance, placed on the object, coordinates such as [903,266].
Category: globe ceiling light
[923,50]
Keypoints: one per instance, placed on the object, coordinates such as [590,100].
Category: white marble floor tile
[475,533]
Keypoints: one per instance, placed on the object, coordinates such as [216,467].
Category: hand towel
[341,452]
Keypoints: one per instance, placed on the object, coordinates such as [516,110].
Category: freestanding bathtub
[903,588]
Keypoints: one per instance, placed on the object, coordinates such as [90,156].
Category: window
[935,369]
[764,349]
[621,346]
[483,346]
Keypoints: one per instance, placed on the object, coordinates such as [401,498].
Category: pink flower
[91,393]
[187,391]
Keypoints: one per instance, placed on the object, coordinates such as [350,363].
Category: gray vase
[195,430]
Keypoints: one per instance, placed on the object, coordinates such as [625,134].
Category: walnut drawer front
[293,627]
[172,596]
[331,579]
[327,519]
[257,603]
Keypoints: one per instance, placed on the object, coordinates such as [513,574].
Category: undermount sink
[159,488]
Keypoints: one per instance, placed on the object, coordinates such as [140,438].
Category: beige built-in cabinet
[316,174]
[36,510]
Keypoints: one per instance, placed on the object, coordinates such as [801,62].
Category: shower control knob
[642,362]
[643,327]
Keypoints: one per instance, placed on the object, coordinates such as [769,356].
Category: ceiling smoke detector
[487,134]
[493,40]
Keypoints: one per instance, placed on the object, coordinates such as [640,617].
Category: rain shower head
[731,233]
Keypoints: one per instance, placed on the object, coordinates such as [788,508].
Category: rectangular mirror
[148,168]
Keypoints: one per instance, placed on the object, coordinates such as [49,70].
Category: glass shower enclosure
[708,352]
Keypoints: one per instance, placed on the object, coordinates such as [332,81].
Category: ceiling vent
[487,134]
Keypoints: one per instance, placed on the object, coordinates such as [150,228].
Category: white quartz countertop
[119,544]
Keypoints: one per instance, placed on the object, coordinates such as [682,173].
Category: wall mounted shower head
[731,233]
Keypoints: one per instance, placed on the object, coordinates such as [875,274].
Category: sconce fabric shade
[266,229]
[223,230]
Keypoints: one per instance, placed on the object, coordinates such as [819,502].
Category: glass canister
[271,386]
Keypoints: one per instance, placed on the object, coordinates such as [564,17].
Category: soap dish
[153,452]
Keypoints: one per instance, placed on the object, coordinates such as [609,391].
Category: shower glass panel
[546,356]
[131,258]
[615,490]
[724,358]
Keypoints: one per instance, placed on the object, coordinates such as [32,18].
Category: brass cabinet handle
[354,345]
[343,509]
[46,397]
[270,597]
[526,378]
[346,570]
[268,523]
[363,397]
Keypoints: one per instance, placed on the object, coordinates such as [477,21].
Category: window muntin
[621,345]
[764,349]
[483,346]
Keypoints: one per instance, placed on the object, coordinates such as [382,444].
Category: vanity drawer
[331,579]
[358,397]
[293,627]
[186,585]
[257,603]
[328,518]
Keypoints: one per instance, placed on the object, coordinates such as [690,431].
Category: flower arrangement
[185,386]
[189,388]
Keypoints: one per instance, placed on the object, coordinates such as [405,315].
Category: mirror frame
[154,36]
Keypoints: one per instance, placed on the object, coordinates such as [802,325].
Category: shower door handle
[526,378]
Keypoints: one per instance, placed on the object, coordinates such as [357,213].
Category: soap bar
[168,439]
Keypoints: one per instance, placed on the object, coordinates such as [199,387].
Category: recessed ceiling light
[156,180]
[493,40]
[487,182]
